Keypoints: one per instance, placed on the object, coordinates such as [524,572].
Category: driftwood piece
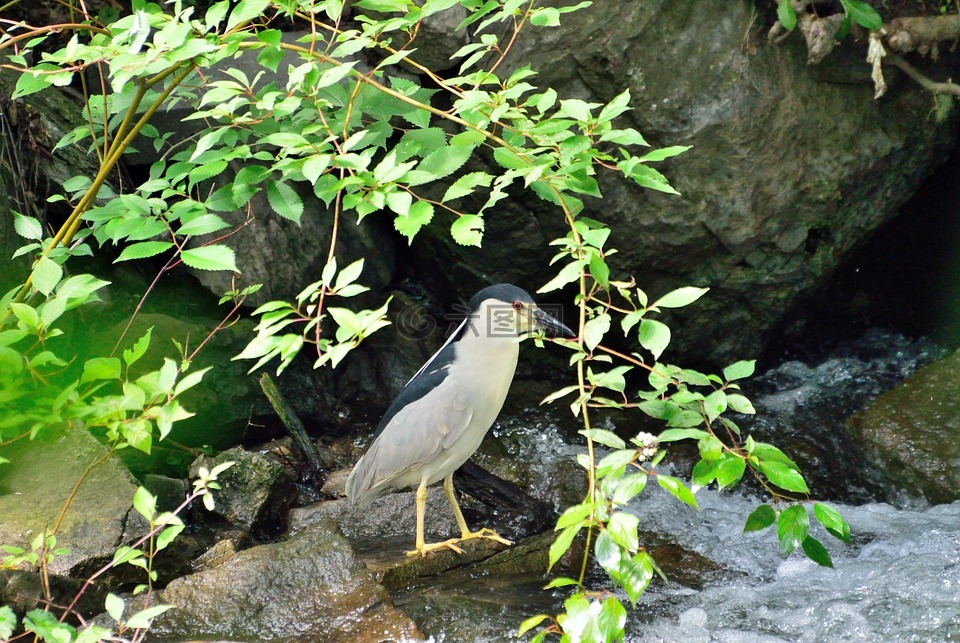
[511,509]
[292,422]
[922,33]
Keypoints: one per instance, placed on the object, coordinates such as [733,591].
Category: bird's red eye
[517,305]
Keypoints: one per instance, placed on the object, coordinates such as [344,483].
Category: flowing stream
[898,580]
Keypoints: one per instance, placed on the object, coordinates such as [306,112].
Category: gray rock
[37,483]
[912,430]
[170,492]
[310,587]
[255,492]
[792,166]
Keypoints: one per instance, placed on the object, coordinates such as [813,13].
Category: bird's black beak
[550,325]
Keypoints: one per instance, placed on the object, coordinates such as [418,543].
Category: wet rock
[37,483]
[170,492]
[310,587]
[255,492]
[224,549]
[912,431]
[390,516]
[776,189]
[23,591]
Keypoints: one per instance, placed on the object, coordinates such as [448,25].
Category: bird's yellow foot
[424,549]
[489,534]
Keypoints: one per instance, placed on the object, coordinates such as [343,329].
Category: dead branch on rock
[925,82]
[922,34]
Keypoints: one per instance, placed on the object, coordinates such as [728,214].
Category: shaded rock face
[38,480]
[912,431]
[307,588]
[791,167]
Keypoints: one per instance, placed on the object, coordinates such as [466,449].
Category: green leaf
[215,257]
[560,581]
[623,529]
[420,214]
[441,162]
[27,227]
[629,487]
[143,618]
[467,230]
[530,623]
[739,370]
[46,275]
[664,153]
[8,622]
[714,405]
[832,521]
[863,14]
[654,336]
[568,274]
[604,437]
[575,515]
[786,14]
[612,619]
[710,447]
[466,184]
[30,83]
[114,606]
[284,200]
[595,329]
[760,518]
[673,435]
[131,355]
[562,543]
[636,574]
[680,297]
[793,526]
[145,503]
[740,404]
[142,250]
[545,17]
[204,224]
[246,10]
[784,476]
[100,368]
[816,552]
[607,552]
[678,490]
[730,468]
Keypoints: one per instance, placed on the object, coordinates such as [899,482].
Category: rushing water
[898,580]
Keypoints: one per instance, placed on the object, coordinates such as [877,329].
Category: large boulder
[310,587]
[792,165]
[912,431]
[37,483]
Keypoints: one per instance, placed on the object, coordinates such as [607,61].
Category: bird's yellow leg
[465,533]
[423,548]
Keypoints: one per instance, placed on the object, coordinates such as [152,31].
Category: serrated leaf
[760,518]
[204,224]
[467,230]
[419,215]
[214,257]
[27,227]
[442,162]
[142,250]
[46,275]
[284,200]
[863,14]
[466,184]
[246,10]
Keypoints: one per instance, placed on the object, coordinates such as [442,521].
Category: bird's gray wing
[416,435]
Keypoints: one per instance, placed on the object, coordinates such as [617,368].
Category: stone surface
[254,493]
[36,484]
[792,166]
[913,431]
[23,591]
[310,587]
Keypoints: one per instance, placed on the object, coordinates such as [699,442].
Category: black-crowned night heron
[442,414]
